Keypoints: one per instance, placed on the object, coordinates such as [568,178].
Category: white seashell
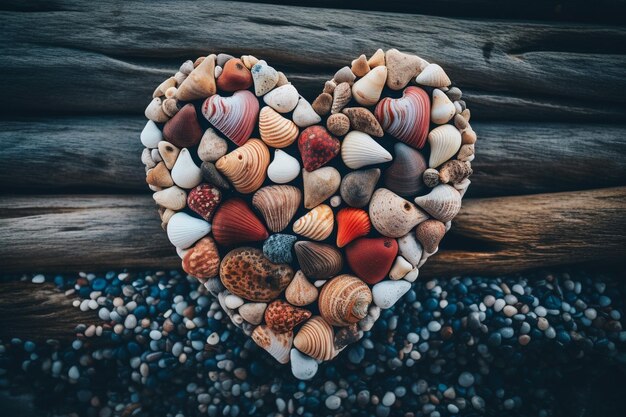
[186,173]
[304,115]
[400,268]
[443,202]
[184,230]
[233,301]
[253,312]
[433,76]
[366,91]
[182,252]
[156,155]
[303,367]
[359,149]
[146,158]
[463,186]
[151,135]
[284,168]
[217,72]
[276,344]
[172,198]
[154,188]
[410,249]
[283,99]
[412,275]
[442,109]
[445,142]
[387,293]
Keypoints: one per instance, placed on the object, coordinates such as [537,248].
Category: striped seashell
[406,118]
[429,233]
[172,198]
[234,222]
[404,176]
[344,300]
[246,166]
[341,97]
[275,130]
[359,149]
[234,116]
[284,168]
[443,202]
[445,142]
[433,76]
[442,109]
[392,215]
[318,260]
[186,174]
[366,91]
[276,344]
[300,291]
[203,260]
[315,339]
[200,83]
[351,224]
[317,224]
[184,230]
[277,204]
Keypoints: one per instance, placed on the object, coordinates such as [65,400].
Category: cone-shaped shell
[246,166]
[443,202]
[351,224]
[184,230]
[300,291]
[317,146]
[360,149]
[304,115]
[204,199]
[284,168]
[371,259]
[344,300]
[445,142]
[433,76]
[318,260]
[234,222]
[392,215]
[404,176]
[151,135]
[203,260]
[200,83]
[319,185]
[317,224]
[283,317]
[183,130]
[315,339]
[406,118]
[367,90]
[357,186]
[159,176]
[276,130]
[442,108]
[429,233]
[277,204]
[234,116]
[169,153]
[172,198]
[341,97]
[186,173]
[276,344]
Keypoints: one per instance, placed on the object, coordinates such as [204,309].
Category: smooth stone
[212,147]
[319,185]
[253,312]
[211,175]
[282,99]
[357,187]
[233,301]
[223,59]
[278,248]
[466,379]
[401,68]
[151,135]
[387,293]
[303,367]
[264,77]
[304,115]
[410,249]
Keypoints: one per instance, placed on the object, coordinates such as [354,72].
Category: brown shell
[283,317]
[275,130]
[344,300]
[316,339]
[429,233]
[203,260]
[277,204]
[318,260]
[317,224]
[404,175]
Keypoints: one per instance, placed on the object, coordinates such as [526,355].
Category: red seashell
[371,259]
[351,224]
[283,317]
[235,76]
[203,260]
[234,116]
[406,118]
[204,199]
[234,222]
[183,130]
[317,146]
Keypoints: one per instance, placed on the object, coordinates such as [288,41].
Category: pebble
[333,402]
[38,279]
[466,379]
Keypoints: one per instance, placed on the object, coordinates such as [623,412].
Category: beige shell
[200,83]
[442,109]
[341,97]
[164,86]
[359,66]
[283,99]
[466,153]
[445,142]
[344,300]
[317,224]
[173,198]
[253,313]
[275,130]
[433,76]
[359,149]
[169,153]
[377,59]
[246,166]
[392,215]
[277,204]
[455,170]
[367,90]
[159,176]
[300,291]
[443,202]
[276,344]
[319,185]
[155,112]
[429,233]
[315,339]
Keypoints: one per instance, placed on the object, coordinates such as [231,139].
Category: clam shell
[246,166]
[371,258]
[284,168]
[366,91]
[275,130]
[200,83]
[359,66]
[283,317]
[443,202]
[445,142]
[410,249]
[277,204]
[392,215]
[429,233]
[234,116]
[351,224]
[455,171]
[357,187]
[433,76]
[234,222]
[265,77]
[169,153]
[203,260]
[276,344]
[184,230]
[300,291]
[283,99]
[402,68]
[360,149]
[159,176]
[315,339]
[344,300]
[318,260]
[173,198]
[404,175]
[319,185]
[151,135]
[317,224]
[341,97]
[363,120]
[183,130]
[406,118]
[186,174]
[304,115]
[442,109]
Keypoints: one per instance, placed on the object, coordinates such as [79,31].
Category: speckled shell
[277,204]
[429,233]
[406,118]
[344,300]
[234,116]
[351,224]
[275,130]
[317,224]
[359,149]
[184,230]
[317,146]
[246,166]
[445,142]
[200,83]
[283,317]
[392,215]
[276,344]
[315,339]
[366,91]
[433,76]
[234,222]
[300,291]
[404,175]
[318,260]
[319,185]
[443,202]
[363,120]
[203,260]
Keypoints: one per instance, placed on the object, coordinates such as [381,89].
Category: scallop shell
[429,233]
[442,109]
[341,97]
[445,142]
[433,76]
[318,260]
[235,116]
[276,344]
[275,130]
[277,204]
[246,166]
[284,168]
[351,224]
[300,291]
[404,176]
[317,224]
[366,91]
[173,198]
[186,174]
[184,230]
[283,99]
[234,222]
[359,149]
[200,83]
[406,118]
[319,185]
[315,339]
[283,317]
[203,260]
[344,300]
[443,202]
[392,215]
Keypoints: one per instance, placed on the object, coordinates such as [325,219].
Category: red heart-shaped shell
[234,116]
[234,222]
[317,146]
[204,199]
[406,118]
[371,259]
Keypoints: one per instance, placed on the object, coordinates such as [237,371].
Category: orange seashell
[275,130]
[246,166]
[203,260]
[371,259]
[283,317]
[316,339]
[234,222]
[183,130]
[344,300]
[235,76]
[200,83]
[351,224]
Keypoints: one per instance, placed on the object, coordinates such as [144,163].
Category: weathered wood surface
[494,236]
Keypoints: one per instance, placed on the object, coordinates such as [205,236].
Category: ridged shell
[283,317]
[200,83]
[277,204]
[341,97]
[351,224]
[366,91]
[234,116]
[406,118]
[392,215]
[203,260]
[184,230]
[183,130]
[442,108]
[433,76]
[284,168]
[317,224]
[173,198]
[234,222]
[443,202]
[319,185]
[246,166]
[315,339]
[300,291]
[404,176]
[318,260]
[186,174]
[344,300]
[429,233]
[275,130]
[445,142]
[276,344]
[359,149]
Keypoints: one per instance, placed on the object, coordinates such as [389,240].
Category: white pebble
[386,293]
[303,367]
[499,305]
[155,335]
[130,322]
[213,339]
[389,399]
[38,279]
[333,402]
[73,373]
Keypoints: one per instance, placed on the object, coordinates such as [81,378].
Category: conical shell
[300,291]
[304,115]
[183,130]
[315,339]
[318,260]
[186,174]
[317,224]
[246,166]
[159,176]
[284,168]
[351,224]
[429,233]
[151,135]
[344,75]
[366,91]
[319,185]
[184,230]
[406,118]
[360,149]
[276,130]
[203,260]
[433,76]
[341,97]
[359,66]
[377,59]
[234,222]
[173,198]
[283,99]
[442,109]
[200,83]
[169,153]
[392,215]
[445,142]
[155,112]
[276,344]
[404,176]
[443,202]
[283,317]
[234,116]
[277,204]
[344,300]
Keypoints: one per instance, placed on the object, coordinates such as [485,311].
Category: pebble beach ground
[460,346]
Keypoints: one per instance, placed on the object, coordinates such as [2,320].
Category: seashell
[352,223]
[344,300]
[253,312]
[203,259]
[410,249]
[246,166]
[233,302]
[183,130]
[319,185]
[284,168]
[468,136]
[283,317]
[300,291]
[282,79]
[431,177]
[443,202]
[360,149]
[329,87]
[304,115]
[318,260]
[454,93]
[185,172]
[442,109]
[466,114]
[277,248]
[170,94]
[377,59]
[247,273]
[283,99]
[322,104]
[234,222]
[277,204]
[162,88]
[317,146]
[463,186]
[203,200]
[303,367]
[166,215]
[406,118]
[155,155]
[338,124]
[275,130]
[234,116]
[315,339]
[400,268]
[433,76]
[146,158]
[371,258]
[402,68]
[404,176]
[212,147]
[341,97]
[172,198]
[265,78]
[184,230]
[159,176]
[180,77]
[170,106]
[276,344]
[357,187]
[344,75]
[335,201]
[211,175]
[455,171]
[460,122]
[235,76]
[200,83]
[317,224]
[364,120]
[222,59]
[429,233]
[412,275]
[151,135]
[155,112]
[466,154]
[359,66]
[366,91]
[387,293]
[169,153]
[249,61]
[392,215]
[445,142]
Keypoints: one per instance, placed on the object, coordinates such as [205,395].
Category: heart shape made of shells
[303,260]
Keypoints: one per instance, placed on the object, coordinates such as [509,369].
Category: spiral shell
[341,97]
[275,130]
[443,202]
[317,224]
[445,142]
[344,300]
[277,204]
[318,260]
[315,339]
[246,166]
